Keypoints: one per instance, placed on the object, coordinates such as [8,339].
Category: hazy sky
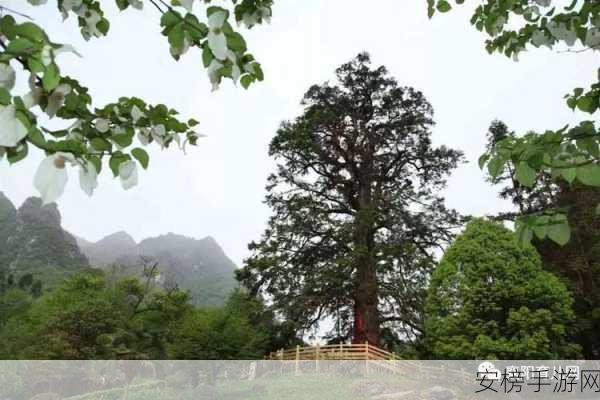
[218,187]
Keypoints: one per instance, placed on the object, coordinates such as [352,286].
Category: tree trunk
[366,313]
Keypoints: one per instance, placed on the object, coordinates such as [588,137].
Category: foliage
[577,261]
[218,334]
[489,298]
[356,207]
[566,154]
[105,135]
[90,317]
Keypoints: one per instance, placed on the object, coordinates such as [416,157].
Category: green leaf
[443,6]
[101,144]
[482,160]
[19,45]
[525,174]
[589,174]
[236,42]
[5,97]
[35,65]
[122,139]
[559,232]
[115,160]
[176,36]
[51,77]
[588,103]
[142,156]
[540,226]
[192,122]
[569,174]
[246,80]
[207,56]
[495,166]
[30,31]
[96,162]
[14,155]
[524,234]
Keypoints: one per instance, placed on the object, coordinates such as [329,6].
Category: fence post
[317,358]
[367,356]
[297,360]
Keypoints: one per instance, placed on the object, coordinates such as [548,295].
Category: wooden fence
[361,351]
[377,357]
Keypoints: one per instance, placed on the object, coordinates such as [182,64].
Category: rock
[368,388]
[438,393]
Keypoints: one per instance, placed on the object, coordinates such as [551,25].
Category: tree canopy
[489,298]
[356,206]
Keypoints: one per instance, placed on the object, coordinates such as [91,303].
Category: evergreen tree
[356,207]
[490,298]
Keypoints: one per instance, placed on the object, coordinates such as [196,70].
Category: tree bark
[366,313]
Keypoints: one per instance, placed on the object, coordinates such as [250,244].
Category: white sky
[217,188]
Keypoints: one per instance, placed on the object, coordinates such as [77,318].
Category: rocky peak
[33,212]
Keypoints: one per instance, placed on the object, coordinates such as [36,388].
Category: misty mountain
[32,240]
[199,265]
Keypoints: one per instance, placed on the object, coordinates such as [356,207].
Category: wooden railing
[360,351]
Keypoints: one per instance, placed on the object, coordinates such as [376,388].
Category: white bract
[12,130]
[136,113]
[592,37]
[91,17]
[217,42]
[136,4]
[128,174]
[187,4]
[158,134]
[7,76]
[235,70]
[57,99]
[32,98]
[68,5]
[51,176]
[102,125]
[143,136]
[213,74]
[88,178]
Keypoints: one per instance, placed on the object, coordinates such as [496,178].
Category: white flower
[128,174]
[592,37]
[539,38]
[560,32]
[7,76]
[57,99]
[136,114]
[187,4]
[217,42]
[91,17]
[213,74]
[51,176]
[88,178]
[12,130]
[136,4]
[102,125]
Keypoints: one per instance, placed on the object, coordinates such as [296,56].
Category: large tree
[490,298]
[356,206]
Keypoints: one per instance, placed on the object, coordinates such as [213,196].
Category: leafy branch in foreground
[569,153]
[117,133]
